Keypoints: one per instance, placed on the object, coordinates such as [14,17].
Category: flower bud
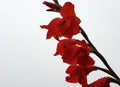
[52,6]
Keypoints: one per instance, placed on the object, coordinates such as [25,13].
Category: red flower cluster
[74,52]
[66,26]
[79,74]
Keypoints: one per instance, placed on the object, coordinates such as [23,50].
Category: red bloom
[79,74]
[66,26]
[52,31]
[69,23]
[61,46]
[77,55]
[103,82]
[74,52]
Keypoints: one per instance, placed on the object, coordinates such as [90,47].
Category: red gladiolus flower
[74,52]
[103,82]
[69,23]
[78,74]
[66,26]
[52,31]
[61,46]
[77,55]
[71,42]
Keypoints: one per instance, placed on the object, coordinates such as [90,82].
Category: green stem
[94,50]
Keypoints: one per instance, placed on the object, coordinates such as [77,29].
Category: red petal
[89,69]
[52,28]
[70,55]
[44,26]
[75,74]
[90,61]
[71,69]
[72,79]
[103,82]
[76,23]
[61,46]
[54,23]
[75,30]
[67,10]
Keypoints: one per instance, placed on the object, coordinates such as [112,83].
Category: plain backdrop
[26,57]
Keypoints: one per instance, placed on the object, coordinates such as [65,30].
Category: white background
[26,57]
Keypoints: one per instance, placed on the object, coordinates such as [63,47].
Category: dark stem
[108,72]
[106,64]
[86,37]
[56,1]
[115,81]
[105,70]
[94,50]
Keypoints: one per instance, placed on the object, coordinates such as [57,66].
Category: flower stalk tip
[52,6]
[56,1]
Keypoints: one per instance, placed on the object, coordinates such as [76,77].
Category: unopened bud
[52,6]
